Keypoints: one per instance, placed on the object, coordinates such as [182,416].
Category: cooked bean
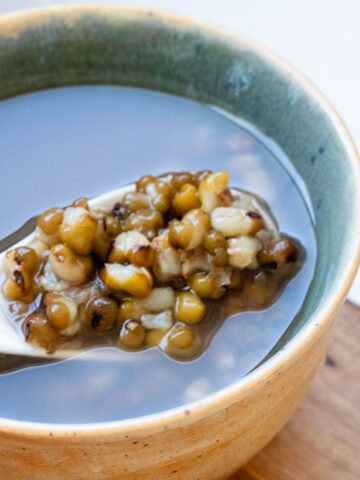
[181,336]
[39,246]
[214,240]
[61,312]
[78,230]
[159,321]
[186,199]
[58,315]
[120,211]
[154,337]
[225,198]
[143,182]
[102,241]
[19,285]
[38,331]
[278,253]
[179,179]
[134,280]
[160,299]
[50,221]
[146,221]
[57,311]
[242,252]
[102,313]
[234,222]
[206,285]
[166,265]
[81,202]
[189,308]
[142,255]
[220,257]
[198,177]
[135,201]
[197,260]
[180,234]
[107,228]
[23,256]
[209,189]
[256,222]
[111,225]
[189,233]
[50,282]
[69,266]
[132,335]
[129,309]
[126,244]
[159,194]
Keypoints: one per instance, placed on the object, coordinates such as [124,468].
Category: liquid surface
[88,140]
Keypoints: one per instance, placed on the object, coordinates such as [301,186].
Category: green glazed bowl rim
[11,24]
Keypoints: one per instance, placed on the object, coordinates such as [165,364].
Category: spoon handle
[20,233]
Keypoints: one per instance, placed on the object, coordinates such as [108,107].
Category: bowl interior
[77,46]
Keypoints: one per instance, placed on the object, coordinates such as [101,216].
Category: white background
[320,37]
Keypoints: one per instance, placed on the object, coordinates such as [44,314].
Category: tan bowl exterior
[208,441]
[211,447]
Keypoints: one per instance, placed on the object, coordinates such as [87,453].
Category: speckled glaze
[211,438]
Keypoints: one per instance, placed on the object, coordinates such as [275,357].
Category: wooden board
[322,440]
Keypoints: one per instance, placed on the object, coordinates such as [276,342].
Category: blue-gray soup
[59,144]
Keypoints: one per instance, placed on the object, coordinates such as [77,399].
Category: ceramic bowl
[211,438]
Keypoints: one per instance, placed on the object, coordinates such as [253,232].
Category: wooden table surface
[322,440]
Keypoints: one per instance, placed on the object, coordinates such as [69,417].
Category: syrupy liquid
[59,144]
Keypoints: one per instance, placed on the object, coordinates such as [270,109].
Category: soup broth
[89,140]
